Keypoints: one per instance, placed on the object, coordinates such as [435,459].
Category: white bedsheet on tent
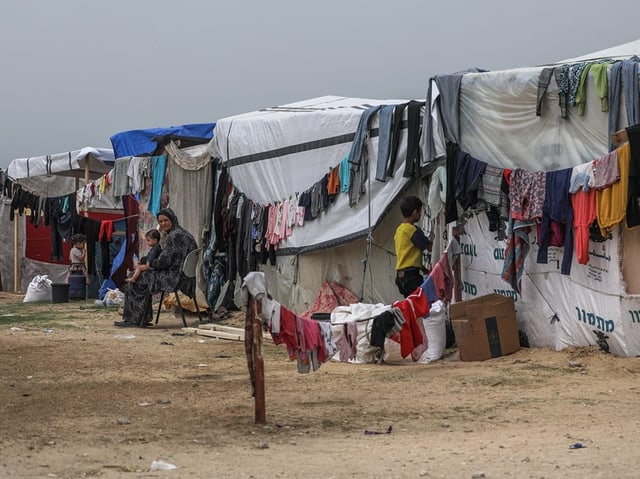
[498,124]
[277,152]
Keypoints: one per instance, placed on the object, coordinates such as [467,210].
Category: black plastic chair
[189,269]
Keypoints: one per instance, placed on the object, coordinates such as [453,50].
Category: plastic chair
[189,270]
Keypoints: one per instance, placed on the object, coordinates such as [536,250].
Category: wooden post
[16,256]
[255,357]
[457,277]
[619,137]
[456,266]
[258,362]
[86,182]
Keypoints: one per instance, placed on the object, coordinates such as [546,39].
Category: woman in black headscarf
[163,273]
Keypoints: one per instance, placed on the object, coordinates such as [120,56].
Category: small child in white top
[78,256]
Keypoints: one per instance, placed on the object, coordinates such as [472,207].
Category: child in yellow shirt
[410,242]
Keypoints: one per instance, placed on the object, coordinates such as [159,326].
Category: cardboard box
[485,327]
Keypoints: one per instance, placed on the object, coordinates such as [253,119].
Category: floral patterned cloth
[166,274]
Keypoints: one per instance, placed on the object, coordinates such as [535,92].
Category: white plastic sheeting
[50,176]
[624,50]
[554,310]
[498,124]
[276,152]
[55,175]
[100,161]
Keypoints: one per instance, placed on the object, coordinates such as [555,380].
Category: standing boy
[410,242]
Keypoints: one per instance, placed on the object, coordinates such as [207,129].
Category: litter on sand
[388,431]
[577,445]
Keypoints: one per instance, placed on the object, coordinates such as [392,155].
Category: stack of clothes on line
[308,342]
[565,208]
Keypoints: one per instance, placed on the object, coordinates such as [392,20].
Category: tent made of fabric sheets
[187,189]
[498,124]
[52,175]
[274,153]
[64,173]
[624,50]
[145,142]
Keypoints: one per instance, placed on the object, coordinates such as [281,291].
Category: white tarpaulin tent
[98,160]
[498,124]
[48,176]
[276,152]
[63,173]
[624,50]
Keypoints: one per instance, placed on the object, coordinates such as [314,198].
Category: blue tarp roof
[141,142]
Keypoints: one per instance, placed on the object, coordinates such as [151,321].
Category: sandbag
[362,314]
[365,353]
[39,290]
[436,329]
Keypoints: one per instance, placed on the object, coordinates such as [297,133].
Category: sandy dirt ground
[81,398]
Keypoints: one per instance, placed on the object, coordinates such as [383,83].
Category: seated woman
[163,273]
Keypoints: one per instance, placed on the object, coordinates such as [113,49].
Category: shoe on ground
[124,324]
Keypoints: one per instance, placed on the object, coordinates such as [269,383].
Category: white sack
[365,353]
[39,290]
[435,329]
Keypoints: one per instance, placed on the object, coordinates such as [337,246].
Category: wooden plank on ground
[207,329]
[220,327]
[219,334]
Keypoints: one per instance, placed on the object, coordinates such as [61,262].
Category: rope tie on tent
[392,253]
[365,260]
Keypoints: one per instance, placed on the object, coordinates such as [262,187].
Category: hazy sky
[74,72]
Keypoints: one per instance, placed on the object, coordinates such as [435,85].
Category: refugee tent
[514,119]
[182,148]
[625,50]
[180,172]
[49,176]
[277,154]
[149,141]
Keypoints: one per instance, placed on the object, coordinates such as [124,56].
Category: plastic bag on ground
[114,297]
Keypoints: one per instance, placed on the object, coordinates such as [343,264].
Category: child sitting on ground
[78,256]
[152,237]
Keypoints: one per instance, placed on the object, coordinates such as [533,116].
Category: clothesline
[128,217]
